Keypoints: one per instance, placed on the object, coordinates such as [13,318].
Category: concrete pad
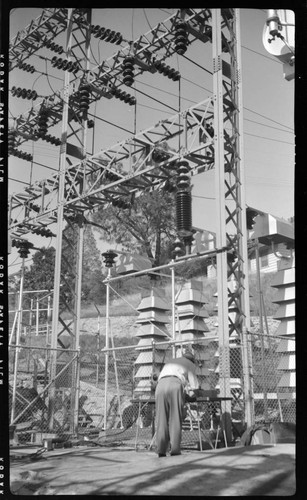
[240,471]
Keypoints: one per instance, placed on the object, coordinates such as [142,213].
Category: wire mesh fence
[106,397]
[273,368]
[42,391]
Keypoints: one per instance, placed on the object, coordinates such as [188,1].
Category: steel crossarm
[156,44]
[27,42]
[125,168]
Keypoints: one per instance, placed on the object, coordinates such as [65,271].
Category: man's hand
[190,399]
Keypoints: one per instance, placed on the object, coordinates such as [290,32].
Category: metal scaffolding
[95,180]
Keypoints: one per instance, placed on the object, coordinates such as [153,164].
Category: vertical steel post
[106,373]
[80,245]
[173,311]
[17,348]
[221,258]
[116,378]
[37,317]
[60,223]
[242,233]
[264,384]
[30,332]
[48,319]
[98,349]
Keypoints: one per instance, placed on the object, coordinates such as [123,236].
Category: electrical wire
[155,109]
[269,138]
[16,180]
[196,64]
[269,126]
[93,55]
[19,263]
[197,85]
[47,76]
[110,123]
[266,117]
[262,55]
[45,166]
[153,98]
[163,10]
[195,102]
[147,19]
[204,197]
[13,261]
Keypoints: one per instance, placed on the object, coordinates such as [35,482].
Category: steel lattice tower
[95,180]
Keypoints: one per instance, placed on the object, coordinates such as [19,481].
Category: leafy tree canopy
[41,272]
[40,275]
[147,227]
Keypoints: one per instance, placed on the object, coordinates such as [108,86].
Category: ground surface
[257,470]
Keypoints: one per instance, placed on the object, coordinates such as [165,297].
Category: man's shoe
[173,454]
[161,455]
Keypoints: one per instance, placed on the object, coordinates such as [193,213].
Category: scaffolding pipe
[48,318]
[179,261]
[221,258]
[259,291]
[173,310]
[13,327]
[30,330]
[242,230]
[98,346]
[106,372]
[80,244]
[17,339]
[37,317]
[116,379]
[60,216]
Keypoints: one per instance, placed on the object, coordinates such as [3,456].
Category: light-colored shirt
[182,368]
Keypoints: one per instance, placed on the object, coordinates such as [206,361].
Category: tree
[40,276]
[41,272]
[93,288]
[148,226]
[92,277]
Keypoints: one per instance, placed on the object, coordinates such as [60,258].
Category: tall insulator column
[84,90]
[42,121]
[181,38]
[184,204]
[11,141]
[128,71]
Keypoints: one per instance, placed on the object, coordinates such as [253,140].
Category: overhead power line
[110,123]
[267,118]
[269,126]
[157,100]
[269,138]
[17,180]
[196,64]
[262,55]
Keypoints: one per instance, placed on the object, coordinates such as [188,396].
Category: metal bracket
[217,64]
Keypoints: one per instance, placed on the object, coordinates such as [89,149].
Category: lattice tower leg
[76,245]
[229,185]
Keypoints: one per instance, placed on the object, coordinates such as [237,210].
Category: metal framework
[229,182]
[94,180]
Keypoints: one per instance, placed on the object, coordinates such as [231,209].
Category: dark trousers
[169,411]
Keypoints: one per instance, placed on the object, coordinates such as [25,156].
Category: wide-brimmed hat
[189,355]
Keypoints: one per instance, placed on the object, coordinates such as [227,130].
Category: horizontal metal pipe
[168,342]
[176,262]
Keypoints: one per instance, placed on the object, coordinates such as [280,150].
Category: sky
[268,111]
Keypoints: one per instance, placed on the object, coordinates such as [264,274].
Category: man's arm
[193,381]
